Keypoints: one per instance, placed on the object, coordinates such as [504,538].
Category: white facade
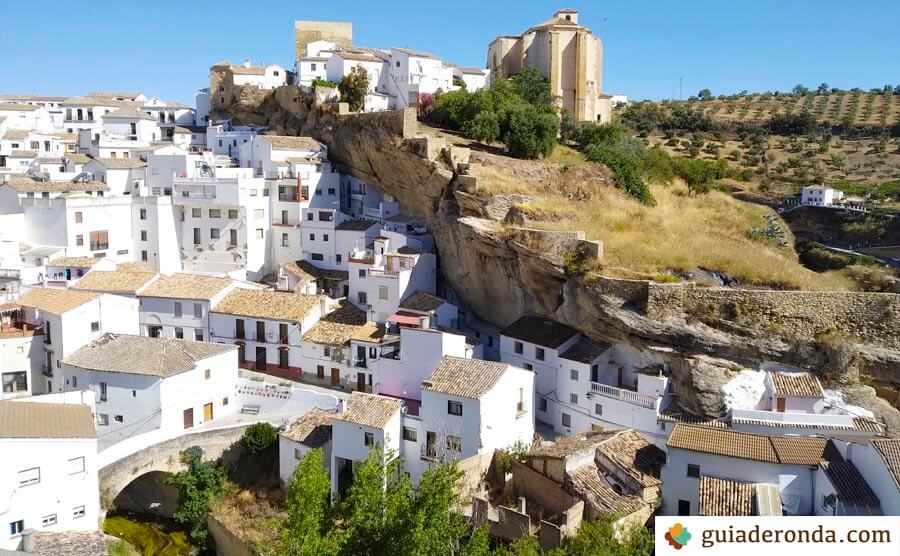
[819,195]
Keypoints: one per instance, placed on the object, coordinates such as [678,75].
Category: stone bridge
[163,456]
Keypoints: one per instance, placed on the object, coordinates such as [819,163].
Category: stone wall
[867,317]
[226,542]
[305,32]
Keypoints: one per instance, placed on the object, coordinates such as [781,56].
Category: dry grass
[681,233]
[253,515]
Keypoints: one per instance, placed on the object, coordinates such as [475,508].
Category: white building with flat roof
[48,473]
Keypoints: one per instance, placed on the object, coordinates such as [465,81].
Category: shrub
[324,83]
[353,88]
[626,170]
[530,133]
[259,436]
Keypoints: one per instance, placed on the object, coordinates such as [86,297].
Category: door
[242,355]
[189,418]
[430,444]
[360,356]
[684,507]
[232,238]
[621,377]
[260,359]
[335,377]
[239,330]
[779,404]
[361,382]
[208,411]
[196,236]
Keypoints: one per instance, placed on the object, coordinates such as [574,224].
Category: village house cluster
[164,272]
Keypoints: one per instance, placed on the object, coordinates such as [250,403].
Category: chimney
[425,322]
[247,62]
[521,504]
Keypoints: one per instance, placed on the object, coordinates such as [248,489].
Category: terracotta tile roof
[566,446]
[25,185]
[298,270]
[114,281]
[98,100]
[722,497]
[54,301]
[15,134]
[860,424]
[468,378]
[889,450]
[369,410]
[587,483]
[788,450]
[7,106]
[415,53]
[185,286]
[338,327]
[77,158]
[358,57]
[22,154]
[674,414]
[422,301]
[849,484]
[355,225]
[635,455]
[241,70]
[49,160]
[74,262]
[267,304]
[585,351]
[46,420]
[472,71]
[139,355]
[67,137]
[121,163]
[374,333]
[539,330]
[313,429]
[130,113]
[115,94]
[291,142]
[82,543]
[798,385]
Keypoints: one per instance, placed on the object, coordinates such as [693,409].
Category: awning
[405,317]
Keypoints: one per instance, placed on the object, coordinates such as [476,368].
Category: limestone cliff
[501,274]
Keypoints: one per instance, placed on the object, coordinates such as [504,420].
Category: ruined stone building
[567,54]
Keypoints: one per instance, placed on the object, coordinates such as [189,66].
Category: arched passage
[148,494]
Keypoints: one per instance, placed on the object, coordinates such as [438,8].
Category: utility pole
[680,82]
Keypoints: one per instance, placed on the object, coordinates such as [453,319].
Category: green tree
[257,437]
[308,529]
[528,132]
[353,88]
[599,537]
[485,127]
[705,94]
[626,169]
[532,87]
[197,486]
[822,88]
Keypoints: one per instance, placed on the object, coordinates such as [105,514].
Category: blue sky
[165,47]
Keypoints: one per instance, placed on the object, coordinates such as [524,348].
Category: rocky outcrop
[501,274]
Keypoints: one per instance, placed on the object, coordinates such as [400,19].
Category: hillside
[850,140]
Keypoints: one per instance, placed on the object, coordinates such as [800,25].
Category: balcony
[46,370]
[393,274]
[429,452]
[627,396]
[791,418]
[363,256]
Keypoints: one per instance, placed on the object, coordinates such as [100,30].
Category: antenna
[680,81]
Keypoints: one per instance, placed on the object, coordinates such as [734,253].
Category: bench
[250,409]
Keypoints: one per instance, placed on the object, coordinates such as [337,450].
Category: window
[78,218]
[178,309]
[102,391]
[518,348]
[95,326]
[179,332]
[196,213]
[99,240]
[225,400]
[309,216]
[79,240]
[693,471]
[298,453]
[215,213]
[362,273]
[48,520]
[528,366]
[566,420]
[77,511]
[361,297]
[312,237]
[573,398]
[331,191]
[684,507]
[103,419]
[337,258]
[142,214]
[369,439]
[144,256]
[119,418]
[382,292]
[15,382]
[542,404]
[207,373]
[283,358]
[16,527]
[198,310]
[410,434]
[454,408]
[320,371]
[30,476]
[143,235]
[214,233]
[454,443]
[74,382]
[539,354]
[598,409]
[285,242]
[198,335]
[232,214]
[317,256]
[259,213]
[573,374]
[259,233]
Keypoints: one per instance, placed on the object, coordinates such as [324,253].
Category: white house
[143,384]
[792,475]
[177,306]
[48,473]
[343,62]
[309,432]
[267,327]
[70,319]
[419,304]
[879,462]
[820,195]
[413,73]
[264,77]
[21,353]
[26,117]
[474,78]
